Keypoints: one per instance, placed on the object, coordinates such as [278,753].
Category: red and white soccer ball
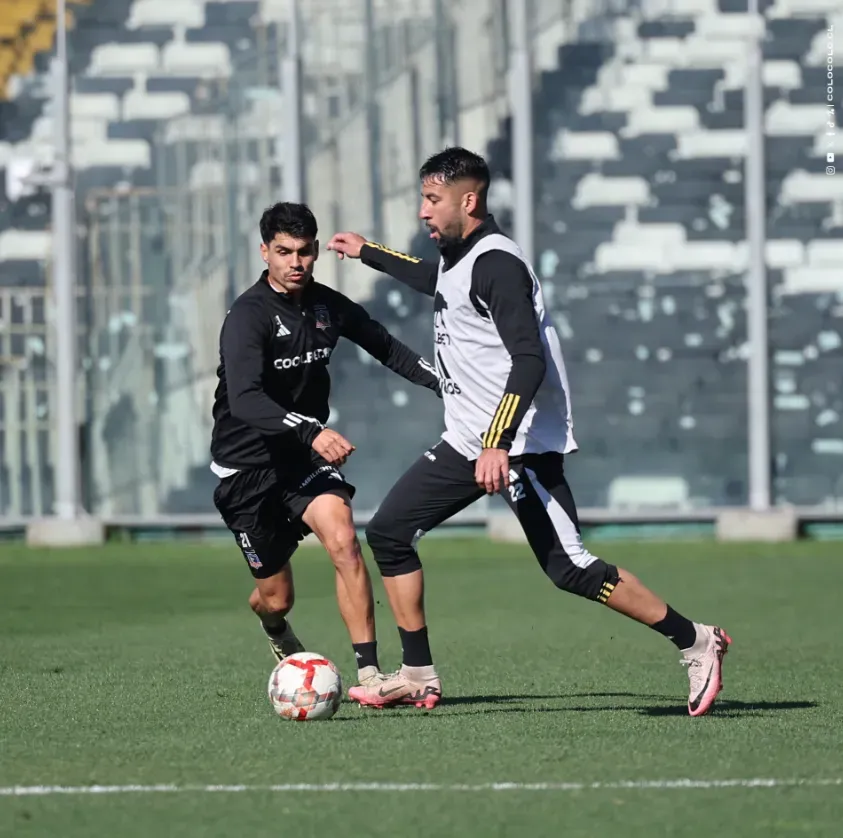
[305,687]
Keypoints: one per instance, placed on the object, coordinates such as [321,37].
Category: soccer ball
[305,686]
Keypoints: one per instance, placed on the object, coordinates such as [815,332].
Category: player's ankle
[416,647]
[366,654]
[677,629]
[367,673]
[420,673]
[700,643]
[274,626]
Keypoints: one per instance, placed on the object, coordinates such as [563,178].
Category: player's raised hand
[333,447]
[492,470]
[347,244]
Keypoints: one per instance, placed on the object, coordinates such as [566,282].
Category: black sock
[278,625]
[677,629]
[366,654]
[416,647]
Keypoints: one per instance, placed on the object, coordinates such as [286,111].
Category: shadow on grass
[726,707]
[490,704]
[645,705]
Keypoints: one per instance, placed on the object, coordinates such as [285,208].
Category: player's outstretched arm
[245,337]
[368,334]
[418,274]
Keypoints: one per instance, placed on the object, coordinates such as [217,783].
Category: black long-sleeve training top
[274,384]
[501,288]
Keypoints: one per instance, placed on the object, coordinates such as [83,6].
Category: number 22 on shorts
[516,488]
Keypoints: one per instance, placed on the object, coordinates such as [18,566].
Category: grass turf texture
[142,664]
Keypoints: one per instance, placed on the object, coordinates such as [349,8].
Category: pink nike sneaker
[419,686]
[705,670]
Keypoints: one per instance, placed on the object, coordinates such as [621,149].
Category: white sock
[366,672]
[420,673]
[700,643]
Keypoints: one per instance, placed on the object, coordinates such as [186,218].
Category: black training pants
[441,483]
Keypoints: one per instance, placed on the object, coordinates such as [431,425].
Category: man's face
[290,261]
[446,207]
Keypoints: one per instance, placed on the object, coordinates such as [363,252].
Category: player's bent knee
[394,554]
[590,578]
[342,545]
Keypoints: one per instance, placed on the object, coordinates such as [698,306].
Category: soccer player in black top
[508,428]
[277,463]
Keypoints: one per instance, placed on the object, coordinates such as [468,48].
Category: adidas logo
[283,331]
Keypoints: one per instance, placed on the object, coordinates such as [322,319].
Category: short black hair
[455,164]
[294,220]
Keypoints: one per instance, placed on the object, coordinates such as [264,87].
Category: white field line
[632,785]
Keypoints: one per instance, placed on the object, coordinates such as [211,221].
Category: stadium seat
[42,37]
[660,492]
[125,60]
[718,143]
[201,60]
[138,104]
[185,13]
[81,130]
[24,245]
[274,10]
[128,154]
[786,119]
[806,187]
[597,191]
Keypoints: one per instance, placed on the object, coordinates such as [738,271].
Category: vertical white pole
[758,368]
[521,105]
[294,178]
[67,505]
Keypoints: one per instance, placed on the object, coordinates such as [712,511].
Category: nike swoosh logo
[696,702]
[384,693]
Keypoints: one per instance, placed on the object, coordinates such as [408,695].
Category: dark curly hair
[294,220]
[455,164]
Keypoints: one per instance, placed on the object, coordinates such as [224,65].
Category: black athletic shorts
[263,507]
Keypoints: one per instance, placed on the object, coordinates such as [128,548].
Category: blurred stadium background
[625,174]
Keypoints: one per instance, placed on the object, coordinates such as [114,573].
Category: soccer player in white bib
[508,428]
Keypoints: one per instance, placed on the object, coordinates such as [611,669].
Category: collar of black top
[453,251]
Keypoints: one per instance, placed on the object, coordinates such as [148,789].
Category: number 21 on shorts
[249,552]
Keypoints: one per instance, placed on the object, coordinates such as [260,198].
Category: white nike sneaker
[419,686]
[705,664]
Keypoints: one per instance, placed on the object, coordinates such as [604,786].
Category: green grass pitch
[141,664]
